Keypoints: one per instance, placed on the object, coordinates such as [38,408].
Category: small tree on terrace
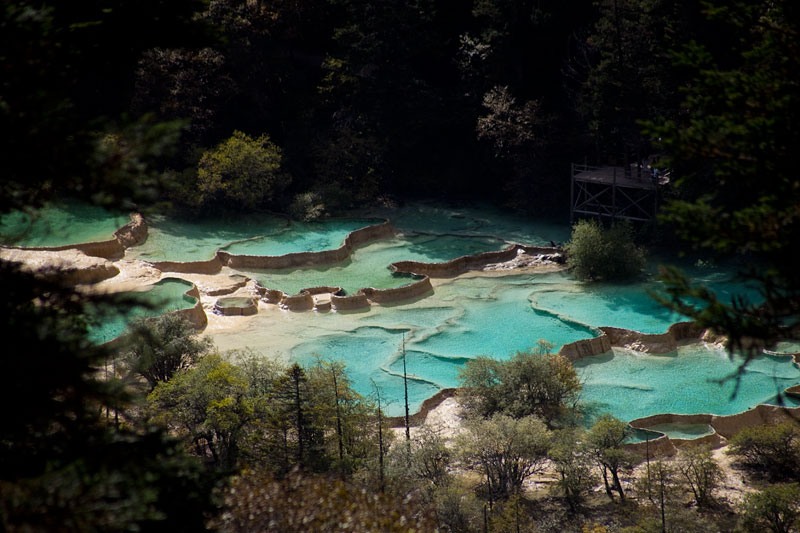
[505,452]
[540,384]
[598,254]
[572,462]
[700,473]
[240,171]
[606,439]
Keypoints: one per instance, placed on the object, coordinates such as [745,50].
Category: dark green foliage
[734,151]
[344,413]
[605,440]
[159,347]
[240,171]
[67,81]
[540,384]
[71,455]
[775,508]
[505,452]
[208,407]
[63,463]
[773,450]
[631,77]
[595,253]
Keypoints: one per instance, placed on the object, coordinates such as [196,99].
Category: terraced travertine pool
[493,314]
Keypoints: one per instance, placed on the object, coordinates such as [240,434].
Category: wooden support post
[614,196]
[572,193]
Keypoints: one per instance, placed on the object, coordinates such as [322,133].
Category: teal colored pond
[498,316]
[60,224]
[683,431]
[488,314]
[696,379]
[369,265]
[167,295]
[185,239]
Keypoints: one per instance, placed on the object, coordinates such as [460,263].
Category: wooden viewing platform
[628,193]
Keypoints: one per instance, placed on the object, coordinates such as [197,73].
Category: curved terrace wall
[131,234]
[321,258]
[724,426]
[236,306]
[465,263]
[212,266]
[611,337]
[195,315]
[304,300]
[415,289]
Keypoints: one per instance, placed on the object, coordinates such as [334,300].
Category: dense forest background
[357,99]
[313,108]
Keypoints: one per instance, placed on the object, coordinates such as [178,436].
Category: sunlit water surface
[60,224]
[162,297]
[494,315]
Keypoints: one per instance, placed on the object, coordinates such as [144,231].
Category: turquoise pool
[488,314]
[166,295]
[60,224]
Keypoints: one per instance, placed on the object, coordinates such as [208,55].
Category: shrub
[240,171]
[700,472]
[773,450]
[543,385]
[776,508]
[595,253]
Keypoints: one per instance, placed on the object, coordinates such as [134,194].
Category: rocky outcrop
[586,348]
[297,302]
[418,418]
[349,303]
[133,233]
[70,266]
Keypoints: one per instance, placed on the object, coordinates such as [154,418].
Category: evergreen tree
[67,79]
[733,154]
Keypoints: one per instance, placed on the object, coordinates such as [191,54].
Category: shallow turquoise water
[167,295]
[495,315]
[60,224]
[183,239]
[368,266]
[683,431]
[479,220]
[698,378]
